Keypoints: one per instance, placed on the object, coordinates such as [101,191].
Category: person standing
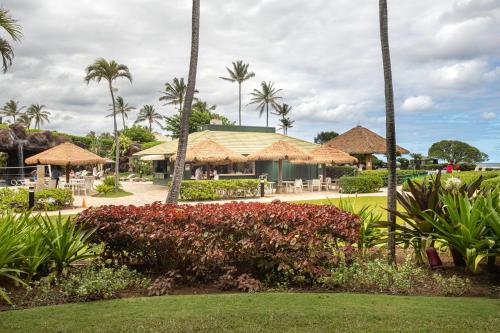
[197,173]
[56,175]
[449,167]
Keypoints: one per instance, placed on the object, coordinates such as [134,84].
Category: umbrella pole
[67,173]
[324,172]
[280,176]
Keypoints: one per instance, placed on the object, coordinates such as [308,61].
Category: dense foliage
[219,189]
[457,151]
[335,172]
[401,175]
[139,134]
[360,184]
[46,199]
[271,243]
[466,177]
[325,136]
[32,246]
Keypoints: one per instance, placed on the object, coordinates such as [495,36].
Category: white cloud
[489,115]
[418,103]
[464,74]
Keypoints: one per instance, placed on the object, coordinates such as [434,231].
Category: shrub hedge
[360,184]
[274,242]
[335,172]
[466,177]
[402,175]
[46,199]
[218,189]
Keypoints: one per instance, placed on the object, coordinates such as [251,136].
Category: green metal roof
[239,142]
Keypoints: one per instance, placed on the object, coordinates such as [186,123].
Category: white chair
[327,183]
[52,183]
[88,185]
[316,183]
[298,186]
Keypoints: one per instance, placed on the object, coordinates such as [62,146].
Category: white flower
[452,184]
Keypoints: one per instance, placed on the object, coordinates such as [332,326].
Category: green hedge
[46,200]
[219,189]
[402,175]
[335,172]
[465,176]
[360,184]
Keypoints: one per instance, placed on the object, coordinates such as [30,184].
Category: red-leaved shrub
[272,242]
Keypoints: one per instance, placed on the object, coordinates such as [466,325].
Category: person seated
[72,174]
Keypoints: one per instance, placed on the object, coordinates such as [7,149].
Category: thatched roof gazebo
[279,151]
[327,155]
[211,152]
[361,141]
[66,154]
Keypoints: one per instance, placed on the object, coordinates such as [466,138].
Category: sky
[324,54]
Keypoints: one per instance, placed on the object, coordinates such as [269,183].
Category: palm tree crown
[37,113]
[11,109]
[285,122]
[175,93]
[267,95]
[149,114]
[239,74]
[14,31]
[25,119]
[122,108]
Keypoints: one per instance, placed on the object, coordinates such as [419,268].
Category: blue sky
[325,55]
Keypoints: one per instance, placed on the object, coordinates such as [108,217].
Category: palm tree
[11,109]
[390,130]
[149,114]
[14,31]
[267,95]
[38,114]
[175,93]
[239,73]
[109,71]
[25,119]
[175,188]
[283,111]
[203,106]
[122,108]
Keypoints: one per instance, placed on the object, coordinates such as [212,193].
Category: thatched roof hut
[361,141]
[279,150]
[211,152]
[66,154]
[327,155]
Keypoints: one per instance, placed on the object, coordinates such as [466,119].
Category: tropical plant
[173,193]
[239,73]
[325,136]
[175,93]
[122,108]
[200,115]
[267,95]
[390,129]
[109,71]
[25,119]
[456,151]
[148,113]
[138,134]
[11,109]
[285,122]
[10,26]
[37,113]
[125,143]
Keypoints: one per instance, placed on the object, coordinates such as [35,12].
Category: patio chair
[298,186]
[52,183]
[128,178]
[316,183]
[327,184]
[88,185]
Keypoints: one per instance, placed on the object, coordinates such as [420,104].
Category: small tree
[456,151]
[325,136]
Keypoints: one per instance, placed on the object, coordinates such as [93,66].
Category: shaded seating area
[67,155]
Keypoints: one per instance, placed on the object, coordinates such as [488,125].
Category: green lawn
[264,312]
[379,201]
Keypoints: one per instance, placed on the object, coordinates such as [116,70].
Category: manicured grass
[117,194]
[264,312]
[378,201]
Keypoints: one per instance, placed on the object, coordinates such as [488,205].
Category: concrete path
[146,193]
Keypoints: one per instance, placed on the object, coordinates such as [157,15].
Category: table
[289,185]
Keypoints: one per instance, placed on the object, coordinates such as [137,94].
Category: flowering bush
[270,242]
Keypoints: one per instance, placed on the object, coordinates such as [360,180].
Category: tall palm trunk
[151,127]
[117,139]
[390,130]
[239,106]
[175,188]
[123,119]
[267,114]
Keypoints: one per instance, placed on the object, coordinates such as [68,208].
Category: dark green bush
[138,133]
[219,189]
[402,175]
[335,172]
[46,199]
[360,184]
[467,177]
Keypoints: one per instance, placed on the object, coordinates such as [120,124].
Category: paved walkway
[146,193]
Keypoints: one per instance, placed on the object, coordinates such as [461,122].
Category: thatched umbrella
[327,155]
[362,141]
[210,152]
[66,154]
[279,151]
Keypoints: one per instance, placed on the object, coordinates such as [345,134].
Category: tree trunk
[390,130]
[117,139]
[239,106]
[280,176]
[151,126]
[267,115]
[123,119]
[175,187]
